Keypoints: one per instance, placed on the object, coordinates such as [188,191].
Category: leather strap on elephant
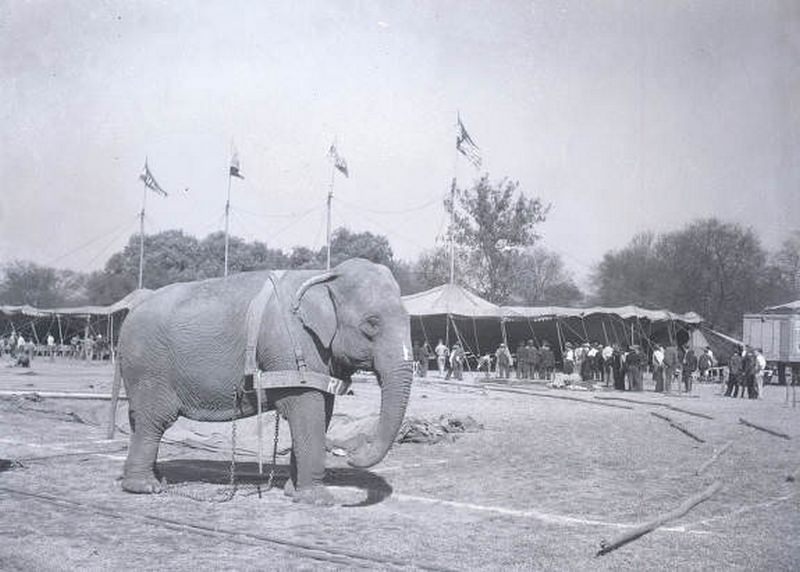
[300,377]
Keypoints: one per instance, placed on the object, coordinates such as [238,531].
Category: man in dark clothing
[633,363]
[734,373]
[618,368]
[421,359]
[671,365]
[522,362]
[532,358]
[749,367]
[689,367]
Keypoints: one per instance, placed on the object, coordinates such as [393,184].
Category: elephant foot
[142,485]
[316,495]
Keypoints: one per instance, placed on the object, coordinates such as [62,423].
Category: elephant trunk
[395,380]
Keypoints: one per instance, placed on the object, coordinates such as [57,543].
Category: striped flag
[466,146]
[150,182]
[338,160]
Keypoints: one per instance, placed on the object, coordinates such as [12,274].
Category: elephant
[182,349]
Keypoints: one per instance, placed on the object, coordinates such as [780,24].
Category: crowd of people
[673,367]
[22,351]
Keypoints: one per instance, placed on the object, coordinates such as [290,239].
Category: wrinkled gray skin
[182,354]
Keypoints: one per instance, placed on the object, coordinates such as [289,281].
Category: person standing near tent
[633,365]
[761,365]
[606,354]
[671,366]
[547,360]
[51,346]
[688,369]
[457,358]
[658,368]
[442,354]
[534,360]
[504,361]
[734,374]
[569,359]
[522,361]
[419,359]
[705,363]
[12,345]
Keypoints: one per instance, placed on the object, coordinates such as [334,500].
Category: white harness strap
[300,377]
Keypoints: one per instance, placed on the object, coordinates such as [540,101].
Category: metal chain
[227,494]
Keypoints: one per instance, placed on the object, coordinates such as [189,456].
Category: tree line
[718,269]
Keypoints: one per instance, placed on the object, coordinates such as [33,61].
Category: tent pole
[503,331]
[605,333]
[447,331]
[60,332]
[585,333]
[35,334]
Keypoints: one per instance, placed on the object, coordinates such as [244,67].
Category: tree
[632,275]
[715,268]
[492,222]
[347,244]
[29,283]
[540,279]
[787,265]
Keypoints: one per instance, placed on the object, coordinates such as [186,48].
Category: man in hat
[658,368]
[522,361]
[689,367]
[457,358]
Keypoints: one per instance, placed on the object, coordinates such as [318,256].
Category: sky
[624,115]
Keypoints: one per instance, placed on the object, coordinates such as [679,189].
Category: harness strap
[300,377]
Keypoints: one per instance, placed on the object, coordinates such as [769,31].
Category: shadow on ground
[217,473]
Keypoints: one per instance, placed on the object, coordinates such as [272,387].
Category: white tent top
[450,299]
[457,301]
[126,303]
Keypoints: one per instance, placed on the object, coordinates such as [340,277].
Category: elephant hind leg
[153,409]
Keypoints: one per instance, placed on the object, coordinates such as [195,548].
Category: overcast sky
[625,115]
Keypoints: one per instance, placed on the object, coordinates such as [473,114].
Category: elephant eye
[371,326]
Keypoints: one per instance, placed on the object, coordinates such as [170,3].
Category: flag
[466,146]
[338,160]
[234,171]
[150,182]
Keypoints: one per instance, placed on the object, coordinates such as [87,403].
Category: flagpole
[452,216]
[141,231]
[227,223]
[328,232]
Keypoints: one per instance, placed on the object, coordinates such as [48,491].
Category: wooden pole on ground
[677,426]
[764,429]
[642,529]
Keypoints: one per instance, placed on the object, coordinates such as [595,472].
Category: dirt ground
[538,488]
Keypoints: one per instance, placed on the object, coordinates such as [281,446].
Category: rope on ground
[714,457]
[641,530]
[677,426]
[564,397]
[764,429]
[666,405]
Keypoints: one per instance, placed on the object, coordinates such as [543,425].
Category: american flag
[338,160]
[466,146]
[150,182]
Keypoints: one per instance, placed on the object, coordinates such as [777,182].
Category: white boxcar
[778,335]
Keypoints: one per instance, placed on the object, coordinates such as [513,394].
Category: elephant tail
[115,387]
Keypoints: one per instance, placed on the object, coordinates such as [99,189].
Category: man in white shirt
[607,352]
[761,365]
[441,357]
[51,346]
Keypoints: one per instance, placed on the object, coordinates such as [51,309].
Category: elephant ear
[316,310]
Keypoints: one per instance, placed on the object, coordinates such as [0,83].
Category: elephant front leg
[306,413]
